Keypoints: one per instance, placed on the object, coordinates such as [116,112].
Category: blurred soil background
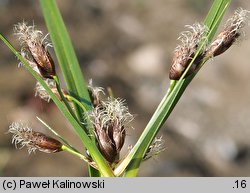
[128,46]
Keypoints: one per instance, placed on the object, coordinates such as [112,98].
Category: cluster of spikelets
[110,118]
[196,38]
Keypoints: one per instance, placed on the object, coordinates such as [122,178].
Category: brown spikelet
[25,136]
[46,144]
[230,34]
[34,49]
[185,52]
[42,93]
[94,93]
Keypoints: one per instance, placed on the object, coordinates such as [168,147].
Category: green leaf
[133,160]
[213,18]
[87,142]
[65,52]
[67,58]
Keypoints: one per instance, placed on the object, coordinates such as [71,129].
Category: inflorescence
[197,36]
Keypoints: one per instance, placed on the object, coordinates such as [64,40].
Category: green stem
[71,98]
[95,153]
[163,111]
[92,171]
[76,153]
[171,86]
[58,87]
[56,134]
[89,124]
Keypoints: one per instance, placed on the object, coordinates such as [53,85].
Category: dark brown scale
[222,42]
[110,139]
[118,136]
[105,144]
[44,61]
[46,144]
[180,62]
[94,99]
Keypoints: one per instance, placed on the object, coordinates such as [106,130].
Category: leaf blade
[67,59]
[65,52]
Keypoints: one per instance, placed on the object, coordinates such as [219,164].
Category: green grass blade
[67,58]
[213,15]
[134,159]
[64,51]
[87,142]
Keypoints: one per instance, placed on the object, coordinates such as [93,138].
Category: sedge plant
[101,124]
